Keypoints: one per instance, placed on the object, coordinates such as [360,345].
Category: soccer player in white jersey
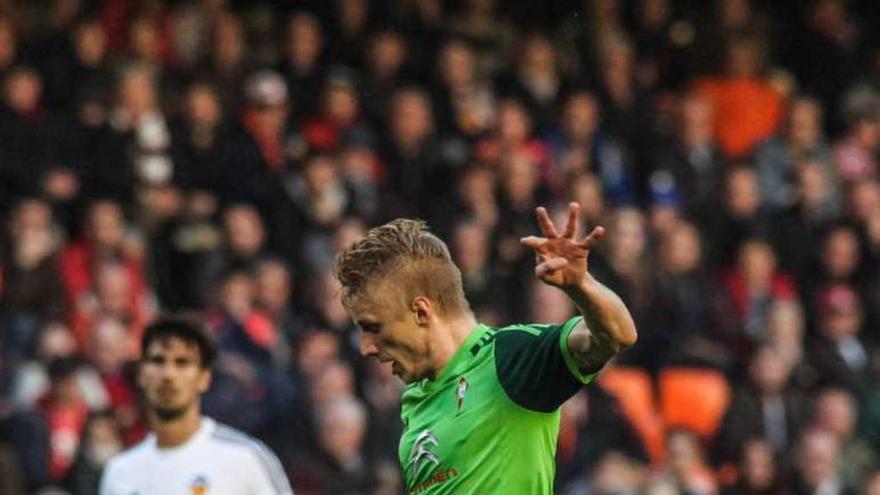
[187,453]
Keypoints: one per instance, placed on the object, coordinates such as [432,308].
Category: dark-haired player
[187,452]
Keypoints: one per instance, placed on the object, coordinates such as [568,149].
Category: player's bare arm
[562,261]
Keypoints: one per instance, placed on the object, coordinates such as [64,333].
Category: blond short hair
[406,253]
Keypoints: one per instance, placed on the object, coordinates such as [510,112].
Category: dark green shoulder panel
[531,367]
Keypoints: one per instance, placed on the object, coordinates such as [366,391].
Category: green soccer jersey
[488,423]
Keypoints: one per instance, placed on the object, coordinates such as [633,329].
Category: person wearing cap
[264,146]
[265,116]
[838,354]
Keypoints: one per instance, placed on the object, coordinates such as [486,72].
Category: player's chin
[403,374]
[169,412]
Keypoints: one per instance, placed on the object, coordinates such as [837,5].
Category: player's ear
[421,310]
[205,380]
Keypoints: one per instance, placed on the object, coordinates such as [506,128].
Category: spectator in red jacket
[104,245]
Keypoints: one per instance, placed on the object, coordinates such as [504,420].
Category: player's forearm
[610,325]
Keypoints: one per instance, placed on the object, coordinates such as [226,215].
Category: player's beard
[166,414]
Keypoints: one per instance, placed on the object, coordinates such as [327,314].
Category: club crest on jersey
[461,390]
[421,449]
[199,486]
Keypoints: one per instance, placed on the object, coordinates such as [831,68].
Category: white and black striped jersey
[217,460]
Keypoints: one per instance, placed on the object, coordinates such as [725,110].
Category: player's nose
[368,346]
[167,370]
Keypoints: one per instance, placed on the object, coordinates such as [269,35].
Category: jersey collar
[206,429]
[459,359]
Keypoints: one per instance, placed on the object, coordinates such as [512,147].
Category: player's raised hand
[562,258]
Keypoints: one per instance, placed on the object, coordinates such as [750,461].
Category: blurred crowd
[211,157]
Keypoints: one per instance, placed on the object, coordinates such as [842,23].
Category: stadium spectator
[29,379]
[261,146]
[386,68]
[466,103]
[579,145]
[480,24]
[801,138]
[828,38]
[686,469]
[692,157]
[274,287]
[113,350]
[32,290]
[838,352]
[592,430]
[586,190]
[623,97]
[471,250]
[626,266]
[840,260]
[340,113]
[855,153]
[228,64]
[327,311]
[82,67]
[301,61]
[817,203]
[837,413]
[416,168]
[101,440]
[766,407]
[381,396]
[64,410]
[104,243]
[476,198]
[693,318]
[200,146]
[318,199]
[245,236]
[742,215]
[615,473]
[817,466]
[759,470]
[536,79]
[27,130]
[747,108]
[139,122]
[341,466]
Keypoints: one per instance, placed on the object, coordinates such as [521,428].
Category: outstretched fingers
[572,227]
[594,237]
[533,242]
[545,223]
[550,265]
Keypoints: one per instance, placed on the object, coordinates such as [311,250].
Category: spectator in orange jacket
[747,108]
